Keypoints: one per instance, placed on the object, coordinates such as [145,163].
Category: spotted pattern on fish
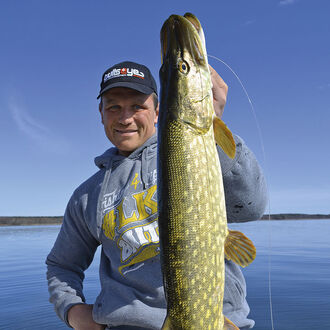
[195,222]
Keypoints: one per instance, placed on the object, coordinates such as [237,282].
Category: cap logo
[123,72]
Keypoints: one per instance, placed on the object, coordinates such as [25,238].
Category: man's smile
[126,132]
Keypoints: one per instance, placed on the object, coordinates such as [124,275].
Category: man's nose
[126,116]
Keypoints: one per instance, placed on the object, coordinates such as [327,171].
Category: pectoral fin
[229,325]
[239,248]
[224,138]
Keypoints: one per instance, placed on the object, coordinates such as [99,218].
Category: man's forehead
[120,92]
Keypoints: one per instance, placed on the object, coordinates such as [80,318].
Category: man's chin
[128,144]
[126,149]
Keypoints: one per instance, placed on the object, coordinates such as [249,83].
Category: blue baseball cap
[130,75]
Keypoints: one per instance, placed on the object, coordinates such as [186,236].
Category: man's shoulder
[91,184]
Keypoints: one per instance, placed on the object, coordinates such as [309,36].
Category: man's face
[129,118]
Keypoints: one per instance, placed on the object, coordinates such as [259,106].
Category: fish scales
[194,227]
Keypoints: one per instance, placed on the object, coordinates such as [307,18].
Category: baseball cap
[131,75]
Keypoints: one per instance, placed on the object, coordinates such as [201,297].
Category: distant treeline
[294,216]
[27,221]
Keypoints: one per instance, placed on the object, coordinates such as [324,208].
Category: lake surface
[298,252]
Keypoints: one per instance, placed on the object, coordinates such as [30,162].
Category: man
[117,208]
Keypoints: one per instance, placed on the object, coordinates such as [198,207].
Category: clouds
[37,132]
[324,87]
[249,22]
[287,2]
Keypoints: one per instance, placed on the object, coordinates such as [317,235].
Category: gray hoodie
[117,208]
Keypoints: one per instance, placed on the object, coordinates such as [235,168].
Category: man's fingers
[219,90]
[217,80]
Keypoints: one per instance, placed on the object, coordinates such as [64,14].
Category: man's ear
[157,113]
[101,112]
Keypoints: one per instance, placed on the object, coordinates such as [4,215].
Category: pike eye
[183,66]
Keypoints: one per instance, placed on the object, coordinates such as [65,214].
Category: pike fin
[224,138]
[239,248]
[229,325]
[167,324]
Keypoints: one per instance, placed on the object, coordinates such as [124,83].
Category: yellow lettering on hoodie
[135,181]
[145,207]
[109,224]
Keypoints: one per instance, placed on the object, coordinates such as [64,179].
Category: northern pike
[191,202]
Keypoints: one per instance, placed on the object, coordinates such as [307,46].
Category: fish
[193,232]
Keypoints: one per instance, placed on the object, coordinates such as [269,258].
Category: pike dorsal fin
[239,248]
[224,137]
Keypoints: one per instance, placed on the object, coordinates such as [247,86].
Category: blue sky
[53,54]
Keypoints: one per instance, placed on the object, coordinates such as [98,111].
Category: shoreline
[57,220]
[30,221]
[295,216]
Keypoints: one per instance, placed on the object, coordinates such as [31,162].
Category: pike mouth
[181,34]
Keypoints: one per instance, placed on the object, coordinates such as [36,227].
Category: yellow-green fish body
[191,203]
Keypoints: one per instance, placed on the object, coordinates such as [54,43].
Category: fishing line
[264,159]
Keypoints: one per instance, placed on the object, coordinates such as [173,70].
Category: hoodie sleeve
[235,306]
[71,255]
[244,184]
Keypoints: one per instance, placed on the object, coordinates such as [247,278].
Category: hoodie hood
[111,159]
[112,156]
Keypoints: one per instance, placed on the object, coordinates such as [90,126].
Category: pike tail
[229,325]
[167,324]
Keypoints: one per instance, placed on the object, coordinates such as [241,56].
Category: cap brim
[138,87]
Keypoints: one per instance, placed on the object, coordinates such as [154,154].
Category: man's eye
[113,107]
[138,107]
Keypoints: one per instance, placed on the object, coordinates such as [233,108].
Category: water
[300,275]
[23,286]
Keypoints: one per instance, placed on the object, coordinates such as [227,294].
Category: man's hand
[80,318]
[220,90]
